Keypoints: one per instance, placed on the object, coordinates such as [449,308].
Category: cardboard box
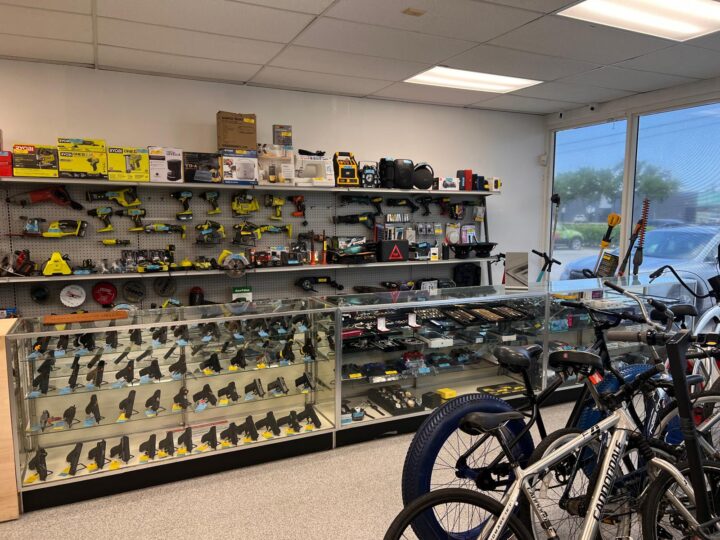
[5,163]
[276,164]
[202,167]
[130,164]
[82,158]
[240,167]
[282,135]
[314,171]
[165,164]
[35,160]
[448,184]
[236,130]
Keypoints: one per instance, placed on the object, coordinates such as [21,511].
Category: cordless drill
[299,202]
[183,197]
[103,214]
[212,198]
[136,215]
[277,203]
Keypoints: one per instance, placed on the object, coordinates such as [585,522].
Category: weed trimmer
[613,220]
[638,257]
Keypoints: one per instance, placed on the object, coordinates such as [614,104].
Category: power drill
[277,203]
[93,161]
[103,214]
[212,198]
[299,202]
[183,197]
[136,215]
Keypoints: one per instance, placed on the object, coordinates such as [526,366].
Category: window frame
[632,116]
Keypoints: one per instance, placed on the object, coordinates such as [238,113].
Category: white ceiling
[361,48]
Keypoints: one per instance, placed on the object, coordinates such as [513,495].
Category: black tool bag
[466,275]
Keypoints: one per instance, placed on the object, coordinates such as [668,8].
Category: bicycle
[488,519]
[481,466]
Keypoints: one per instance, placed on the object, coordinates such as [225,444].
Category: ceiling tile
[501,61]
[557,36]
[304,6]
[432,94]
[322,82]
[73,6]
[46,49]
[46,24]
[213,16]
[544,6]
[376,41]
[461,19]
[571,92]
[681,60]
[711,41]
[354,65]
[183,42]
[509,102]
[152,62]
[626,79]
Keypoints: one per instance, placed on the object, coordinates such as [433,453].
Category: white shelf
[190,273]
[93,182]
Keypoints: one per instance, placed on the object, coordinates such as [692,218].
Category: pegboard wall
[161,208]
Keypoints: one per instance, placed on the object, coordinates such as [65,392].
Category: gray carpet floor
[348,493]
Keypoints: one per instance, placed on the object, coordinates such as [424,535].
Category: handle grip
[576,305]
[662,308]
[616,288]
[626,335]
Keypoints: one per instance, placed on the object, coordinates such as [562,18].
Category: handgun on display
[269,424]
[205,395]
[122,450]
[229,392]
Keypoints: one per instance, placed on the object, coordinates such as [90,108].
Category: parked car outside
[580,218]
[690,248]
[568,237]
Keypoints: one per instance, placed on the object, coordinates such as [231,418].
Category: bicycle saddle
[476,423]
[580,361]
[517,358]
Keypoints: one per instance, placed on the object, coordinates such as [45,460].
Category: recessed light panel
[470,80]
[678,20]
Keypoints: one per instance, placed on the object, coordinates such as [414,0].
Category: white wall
[39,102]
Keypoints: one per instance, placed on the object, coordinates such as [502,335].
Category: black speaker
[423,176]
[386,170]
[403,174]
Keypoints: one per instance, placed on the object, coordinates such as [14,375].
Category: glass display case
[164,385]
[405,353]
[104,397]
[571,328]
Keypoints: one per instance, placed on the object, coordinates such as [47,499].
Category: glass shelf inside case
[170,384]
[407,353]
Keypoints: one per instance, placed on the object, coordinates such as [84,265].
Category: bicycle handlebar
[648,337]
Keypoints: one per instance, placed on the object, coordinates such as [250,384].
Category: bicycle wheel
[463,514]
[661,518]
[432,458]
[706,411]
[564,489]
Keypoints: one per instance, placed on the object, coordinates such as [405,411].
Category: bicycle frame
[619,423]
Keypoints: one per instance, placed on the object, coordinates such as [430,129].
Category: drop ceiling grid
[583,64]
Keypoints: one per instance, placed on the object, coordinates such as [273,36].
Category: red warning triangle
[395,254]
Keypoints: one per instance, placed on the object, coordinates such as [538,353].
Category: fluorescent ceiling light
[470,80]
[678,20]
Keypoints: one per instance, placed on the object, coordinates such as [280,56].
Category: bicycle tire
[437,428]
[415,510]
[655,508]
[668,424]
